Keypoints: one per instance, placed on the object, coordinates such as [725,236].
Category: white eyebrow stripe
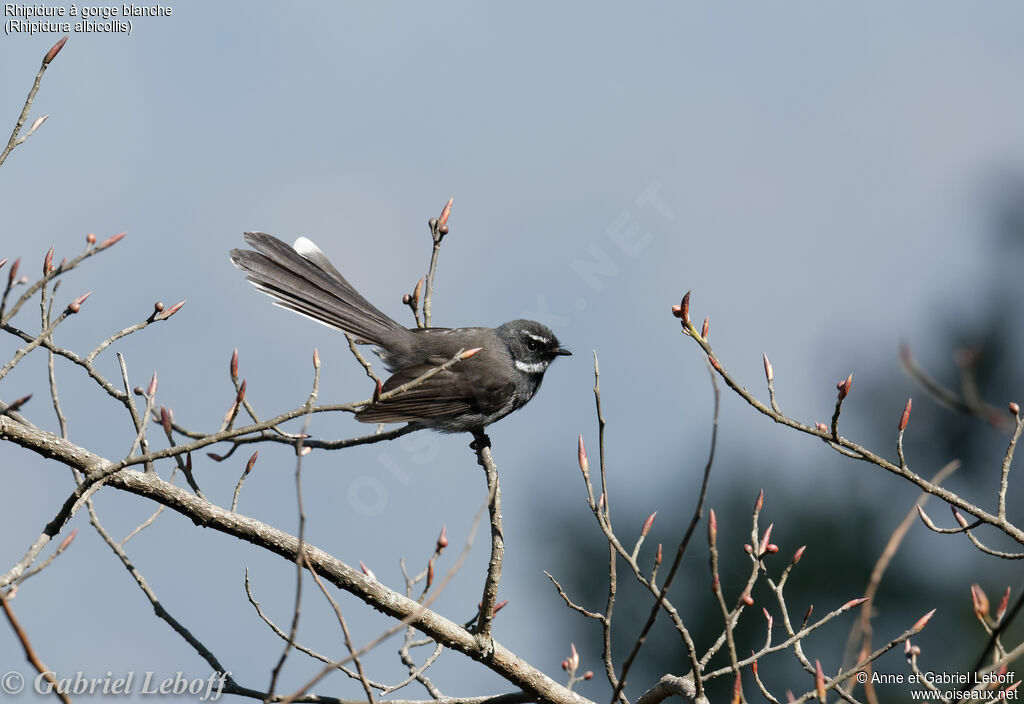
[531,367]
[538,338]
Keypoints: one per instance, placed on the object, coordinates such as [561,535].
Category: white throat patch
[531,367]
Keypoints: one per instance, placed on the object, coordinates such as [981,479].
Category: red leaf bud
[170,311]
[647,524]
[905,417]
[54,50]
[67,541]
[445,212]
[13,273]
[112,240]
[17,403]
[923,621]
[819,681]
[1003,603]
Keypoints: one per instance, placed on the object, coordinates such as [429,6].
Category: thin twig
[30,653]
[482,446]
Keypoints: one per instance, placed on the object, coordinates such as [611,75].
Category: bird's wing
[444,395]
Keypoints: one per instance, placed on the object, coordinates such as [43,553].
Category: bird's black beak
[561,351]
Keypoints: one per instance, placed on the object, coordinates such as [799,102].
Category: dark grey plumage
[499,379]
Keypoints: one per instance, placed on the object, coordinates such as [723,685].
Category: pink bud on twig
[712,527]
[445,212]
[923,621]
[367,571]
[48,262]
[1003,603]
[233,365]
[165,419]
[112,240]
[76,304]
[979,601]
[647,525]
[706,327]
[67,541]
[170,311]
[959,518]
[798,554]
[853,603]
[747,599]
[442,540]
[316,358]
[469,353]
[844,386]
[91,238]
[769,373]
[214,456]
[759,502]
[905,416]
[1014,409]
[819,681]
[252,462]
[498,607]
[821,427]
[13,273]
[54,50]
[17,403]
[765,539]
[151,389]
[581,455]
[657,558]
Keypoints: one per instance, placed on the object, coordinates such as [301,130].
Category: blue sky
[821,174]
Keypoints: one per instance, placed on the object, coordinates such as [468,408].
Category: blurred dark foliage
[847,514]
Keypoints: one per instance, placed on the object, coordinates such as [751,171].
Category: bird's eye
[531,344]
